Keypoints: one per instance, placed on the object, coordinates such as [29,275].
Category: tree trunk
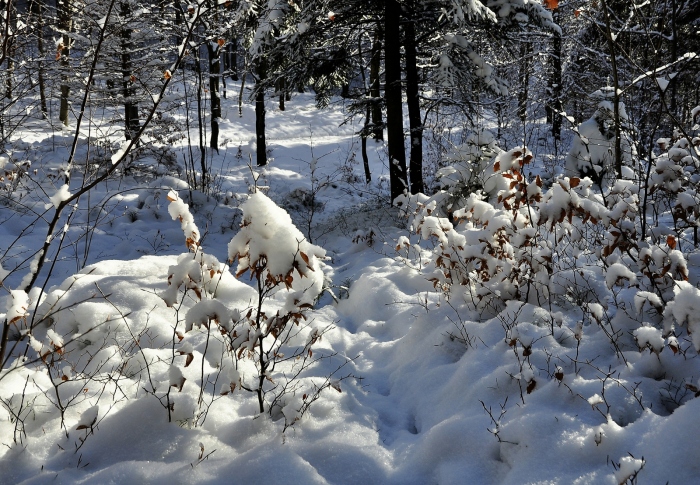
[131,108]
[65,24]
[261,146]
[11,22]
[363,144]
[38,10]
[215,101]
[281,84]
[200,119]
[394,107]
[524,79]
[674,54]
[374,82]
[413,102]
[554,104]
[231,59]
[616,92]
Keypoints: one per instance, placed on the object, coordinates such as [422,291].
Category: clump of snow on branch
[17,305]
[63,193]
[685,310]
[180,211]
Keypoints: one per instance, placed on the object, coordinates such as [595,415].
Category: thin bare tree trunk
[11,11]
[616,92]
[38,7]
[413,102]
[131,109]
[524,79]
[555,83]
[65,24]
[374,81]
[261,146]
[215,100]
[394,103]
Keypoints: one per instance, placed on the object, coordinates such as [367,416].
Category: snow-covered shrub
[466,170]
[181,329]
[486,255]
[592,152]
[567,250]
[673,184]
[663,266]
[264,346]
[685,310]
[627,469]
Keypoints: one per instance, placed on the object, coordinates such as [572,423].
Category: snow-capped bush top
[468,161]
[180,211]
[17,305]
[685,310]
[465,174]
[269,243]
[592,150]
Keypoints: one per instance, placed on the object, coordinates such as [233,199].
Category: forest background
[472,223]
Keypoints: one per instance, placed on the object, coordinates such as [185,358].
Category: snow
[618,272]
[88,418]
[180,211]
[592,150]
[17,305]
[662,82]
[646,296]
[63,193]
[629,466]
[267,234]
[137,341]
[685,309]
[649,337]
[119,154]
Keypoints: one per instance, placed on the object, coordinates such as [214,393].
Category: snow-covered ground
[415,389]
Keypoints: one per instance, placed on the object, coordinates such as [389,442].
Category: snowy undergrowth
[595,320]
[498,347]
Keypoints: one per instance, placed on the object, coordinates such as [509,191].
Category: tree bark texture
[375,88]
[65,24]
[413,102]
[554,107]
[261,146]
[394,103]
[214,99]
[131,108]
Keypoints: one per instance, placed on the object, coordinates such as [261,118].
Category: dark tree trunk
[63,8]
[281,84]
[674,55]
[38,10]
[554,107]
[261,146]
[616,92]
[413,102]
[214,76]
[200,118]
[11,11]
[524,80]
[394,107]
[231,59]
[131,109]
[363,139]
[374,81]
